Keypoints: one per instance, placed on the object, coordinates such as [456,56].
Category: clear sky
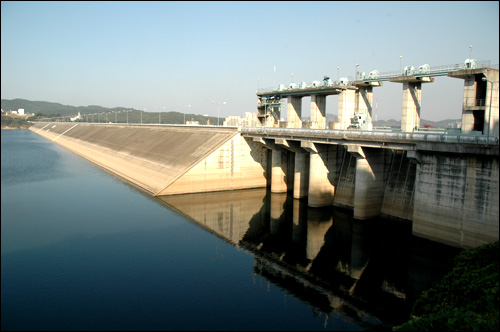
[159,55]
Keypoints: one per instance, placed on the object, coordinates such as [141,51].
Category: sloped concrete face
[237,164]
[154,157]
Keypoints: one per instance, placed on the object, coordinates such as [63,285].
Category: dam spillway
[164,160]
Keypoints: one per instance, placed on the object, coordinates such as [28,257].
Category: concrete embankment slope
[163,160]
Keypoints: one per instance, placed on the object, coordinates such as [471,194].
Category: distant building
[196,123]
[250,120]
[20,111]
[75,118]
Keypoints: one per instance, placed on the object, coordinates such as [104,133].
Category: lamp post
[338,75]
[491,96]
[400,58]
[357,65]
[184,112]
[159,115]
[218,109]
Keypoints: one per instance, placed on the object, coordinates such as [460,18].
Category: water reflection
[369,270]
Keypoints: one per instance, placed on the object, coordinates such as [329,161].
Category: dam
[445,185]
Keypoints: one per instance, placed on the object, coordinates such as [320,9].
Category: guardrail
[372,135]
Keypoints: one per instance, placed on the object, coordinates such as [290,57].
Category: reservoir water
[83,250]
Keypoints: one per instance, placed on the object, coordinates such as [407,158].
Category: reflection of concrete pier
[322,250]
[225,214]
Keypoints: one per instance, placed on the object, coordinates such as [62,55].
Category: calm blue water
[82,250]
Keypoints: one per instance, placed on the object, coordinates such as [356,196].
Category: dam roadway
[446,185]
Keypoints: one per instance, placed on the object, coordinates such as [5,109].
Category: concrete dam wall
[448,191]
[165,160]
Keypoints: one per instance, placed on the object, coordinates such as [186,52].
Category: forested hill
[100,114]
[49,108]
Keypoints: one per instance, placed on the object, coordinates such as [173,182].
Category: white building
[250,120]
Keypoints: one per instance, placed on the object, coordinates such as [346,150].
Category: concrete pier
[318,111]
[322,165]
[279,173]
[370,184]
[363,100]
[294,112]
[346,107]
[480,110]
[412,99]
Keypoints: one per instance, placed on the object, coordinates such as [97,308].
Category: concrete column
[478,97]
[294,112]
[301,175]
[346,107]
[410,111]
[369,182]
[322,167]
[470,87]
[363,101]
[318,111]
[279,171]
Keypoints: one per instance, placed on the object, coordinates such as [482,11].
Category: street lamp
[491,95]
[159,115]
[338,75]
[184,112]
[218,109]
[357,65]
[400,58]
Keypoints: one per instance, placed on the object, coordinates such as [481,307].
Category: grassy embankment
[466,299]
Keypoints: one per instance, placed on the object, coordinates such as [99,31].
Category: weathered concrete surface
[456,199]
[155,157]
[370,184]
[236,164]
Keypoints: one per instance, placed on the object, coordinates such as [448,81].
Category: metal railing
[441,70]
[384,136]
